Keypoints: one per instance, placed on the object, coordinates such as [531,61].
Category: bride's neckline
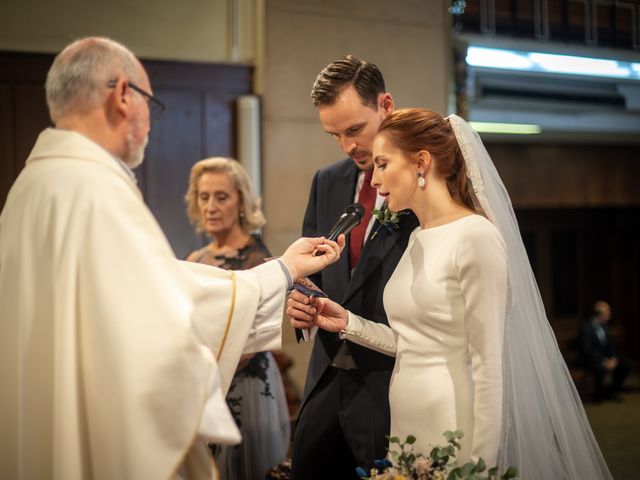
[447,224]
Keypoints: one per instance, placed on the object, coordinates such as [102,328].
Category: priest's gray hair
[77,80]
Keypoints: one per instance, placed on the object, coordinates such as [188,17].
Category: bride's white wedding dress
[446,302]
[474,349]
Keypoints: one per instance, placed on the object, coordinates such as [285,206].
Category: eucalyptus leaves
[387,219]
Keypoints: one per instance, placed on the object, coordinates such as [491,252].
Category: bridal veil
[545,432]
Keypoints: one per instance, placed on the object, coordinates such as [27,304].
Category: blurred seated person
[221,203]
[598,353]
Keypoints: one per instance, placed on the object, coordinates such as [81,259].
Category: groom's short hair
[341,74]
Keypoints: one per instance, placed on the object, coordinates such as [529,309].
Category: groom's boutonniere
[387,219]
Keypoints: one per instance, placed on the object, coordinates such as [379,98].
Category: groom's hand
[300,310]
[306,312]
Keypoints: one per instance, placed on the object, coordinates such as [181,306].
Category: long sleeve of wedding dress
[376,336]
[482,266]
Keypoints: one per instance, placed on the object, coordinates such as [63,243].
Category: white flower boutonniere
[388,220]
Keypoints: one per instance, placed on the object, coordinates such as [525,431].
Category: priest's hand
[306,312]
[301,258]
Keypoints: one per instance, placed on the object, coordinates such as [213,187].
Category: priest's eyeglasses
[156,107]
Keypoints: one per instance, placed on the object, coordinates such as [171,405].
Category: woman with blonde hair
[221,203]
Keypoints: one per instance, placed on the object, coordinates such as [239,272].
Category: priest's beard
[135,151]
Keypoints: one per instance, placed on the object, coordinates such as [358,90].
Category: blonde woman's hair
[253,217]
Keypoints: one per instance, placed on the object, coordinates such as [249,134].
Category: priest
[115,357]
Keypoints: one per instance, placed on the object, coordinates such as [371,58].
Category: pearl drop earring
[421,180]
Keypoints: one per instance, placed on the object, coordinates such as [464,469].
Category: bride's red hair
[415,129]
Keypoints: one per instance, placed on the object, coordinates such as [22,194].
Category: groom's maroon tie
[366,198]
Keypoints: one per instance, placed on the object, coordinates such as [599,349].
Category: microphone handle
[336,232]
[333,236]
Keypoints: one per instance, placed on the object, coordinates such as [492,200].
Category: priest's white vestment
[108,343]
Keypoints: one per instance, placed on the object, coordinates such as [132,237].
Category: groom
[344,416]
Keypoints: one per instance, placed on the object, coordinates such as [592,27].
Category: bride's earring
[421,181]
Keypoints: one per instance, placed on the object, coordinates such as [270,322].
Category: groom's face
[354,124]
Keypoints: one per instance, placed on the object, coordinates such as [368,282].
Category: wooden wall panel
[625,291]
[30,118]
[175,143]
[583,255]
[219,125]
[567,176]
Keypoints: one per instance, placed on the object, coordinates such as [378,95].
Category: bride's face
[395,175]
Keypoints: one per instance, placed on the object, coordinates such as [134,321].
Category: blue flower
[387,219]
[380,465]
[361,472]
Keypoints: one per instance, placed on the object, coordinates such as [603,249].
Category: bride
[474,350]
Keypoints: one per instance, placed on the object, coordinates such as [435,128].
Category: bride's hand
[305,312]
[330,315]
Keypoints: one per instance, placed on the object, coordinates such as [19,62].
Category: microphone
[350,219]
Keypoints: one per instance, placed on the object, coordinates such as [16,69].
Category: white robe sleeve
[237,311]
[266,332]
[482,266]
[373,335]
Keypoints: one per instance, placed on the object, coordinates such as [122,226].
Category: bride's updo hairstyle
[415,129]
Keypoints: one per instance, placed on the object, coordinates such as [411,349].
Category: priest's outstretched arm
[238,312]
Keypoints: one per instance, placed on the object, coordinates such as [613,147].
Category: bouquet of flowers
[439,465]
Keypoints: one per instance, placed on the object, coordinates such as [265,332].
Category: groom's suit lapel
[374,251]
[373,254]
[339,199]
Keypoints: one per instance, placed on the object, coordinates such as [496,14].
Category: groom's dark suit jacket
[332,190]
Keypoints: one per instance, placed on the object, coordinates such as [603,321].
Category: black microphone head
[351,217]
[357,209]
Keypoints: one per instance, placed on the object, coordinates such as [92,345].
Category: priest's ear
[119,102]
